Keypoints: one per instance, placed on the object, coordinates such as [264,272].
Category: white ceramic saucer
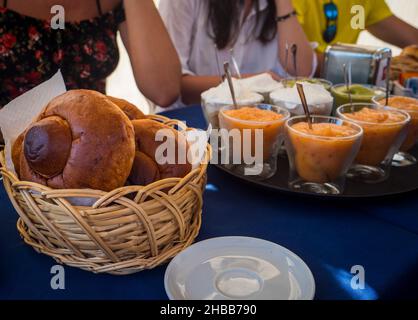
[238,268]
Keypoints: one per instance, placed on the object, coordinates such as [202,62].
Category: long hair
[224,21]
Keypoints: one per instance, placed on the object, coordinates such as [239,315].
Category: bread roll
[128,108]
[403,64]
[17,151]
[146,168]
[81,140]
[411,51]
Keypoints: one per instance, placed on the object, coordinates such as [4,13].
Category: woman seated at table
[254,32]
[86,51]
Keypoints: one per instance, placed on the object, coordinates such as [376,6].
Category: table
[330,236]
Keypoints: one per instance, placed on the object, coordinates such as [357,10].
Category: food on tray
[128,108]
[271,121]
[402,103]
[324,152]
[84,139]
[146,168]
[407,62]
[291,82]
[253,114]
[376,116]
[216,98]
[320,101]
[330,130]
[409,105]
[382,131]
[411,51]
[359,93]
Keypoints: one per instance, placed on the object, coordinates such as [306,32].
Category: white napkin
[222,94]
[16,116]
[315,94]
[261,83]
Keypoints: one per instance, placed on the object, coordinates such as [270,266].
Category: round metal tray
[402,180]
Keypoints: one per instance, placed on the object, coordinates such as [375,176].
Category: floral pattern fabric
[32,52]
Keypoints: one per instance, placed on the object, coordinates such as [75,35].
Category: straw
[388,81]
[230,84]
[235,64]
[304,103]
[286,62]
[347,80]
[218,64]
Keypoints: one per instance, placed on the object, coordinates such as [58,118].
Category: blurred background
[122,83]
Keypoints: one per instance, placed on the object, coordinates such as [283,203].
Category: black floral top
[32,52]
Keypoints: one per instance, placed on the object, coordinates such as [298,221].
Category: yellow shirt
[312,18]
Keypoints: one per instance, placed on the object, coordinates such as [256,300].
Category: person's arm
[291,31]
[395,31]
[193,86]
[155,63]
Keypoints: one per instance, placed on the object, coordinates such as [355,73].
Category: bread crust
[411,51]
[128,108]
[102,147]
[146,144]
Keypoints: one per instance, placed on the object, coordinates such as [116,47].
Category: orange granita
[253,114]
[409,105]
[378,116]
[325,129]
[403,103]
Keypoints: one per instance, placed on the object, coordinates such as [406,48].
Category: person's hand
[274,75]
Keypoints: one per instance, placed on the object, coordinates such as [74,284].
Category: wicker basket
[124,231]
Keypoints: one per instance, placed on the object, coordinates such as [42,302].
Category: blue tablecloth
[330,236]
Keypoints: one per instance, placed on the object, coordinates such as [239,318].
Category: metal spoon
[230,83]
[218,64]
[234,62]
[286,61]
[347,80]
[304,103]
[388,81]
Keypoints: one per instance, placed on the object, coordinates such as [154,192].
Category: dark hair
[224,19]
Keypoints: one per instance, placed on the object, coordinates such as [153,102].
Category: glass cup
[296,109]
[359,93]
[211,107]
[320,158]
[250,147]
[381,140]
[410,105]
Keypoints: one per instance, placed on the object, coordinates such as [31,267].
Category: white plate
[238,268]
